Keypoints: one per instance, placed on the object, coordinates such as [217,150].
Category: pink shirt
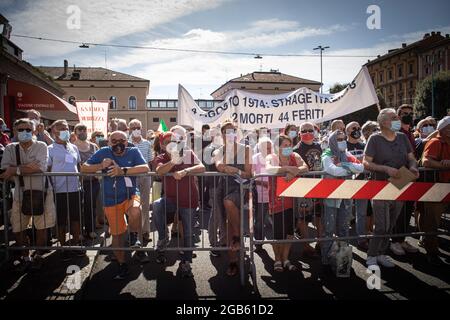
[259,167]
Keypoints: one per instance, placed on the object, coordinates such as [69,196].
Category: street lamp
[321,50]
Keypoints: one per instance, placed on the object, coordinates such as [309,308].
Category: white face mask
[427,130]
[136,133]
[342,145]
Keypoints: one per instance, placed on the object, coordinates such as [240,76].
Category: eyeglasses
[306,131]
[22,130]
[114,141]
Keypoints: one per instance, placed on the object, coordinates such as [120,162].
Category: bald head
[117,135]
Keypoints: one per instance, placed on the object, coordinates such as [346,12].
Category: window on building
[132,103]
[426,70]
[381,76]
[176,103]
[400,86]
[209,104]
[173,119]
[72,100]
[202,104]
[92,98]
[170,104]
[400,70]
[400,98]
[390,89]
[440,67]
[411,68]
[112,102]
[155,119]
[163,103]
[390,74]
[154,104]
[411,84]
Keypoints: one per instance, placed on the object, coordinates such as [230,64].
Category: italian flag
[162,126]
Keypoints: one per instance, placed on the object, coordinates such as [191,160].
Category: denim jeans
[160,209]
[361,214]
[334,220]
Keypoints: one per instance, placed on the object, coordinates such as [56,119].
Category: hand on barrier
[392,172]
[115,170]
[106,163]
[178,175]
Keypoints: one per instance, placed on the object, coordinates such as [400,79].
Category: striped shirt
[145,148]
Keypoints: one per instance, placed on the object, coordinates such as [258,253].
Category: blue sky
[280,27]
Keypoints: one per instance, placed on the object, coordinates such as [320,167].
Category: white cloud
[101,20]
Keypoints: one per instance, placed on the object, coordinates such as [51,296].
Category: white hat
[443,123]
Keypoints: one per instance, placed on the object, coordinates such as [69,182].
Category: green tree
[422,100]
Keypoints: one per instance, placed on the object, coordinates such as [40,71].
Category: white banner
[94,115]
[253,111]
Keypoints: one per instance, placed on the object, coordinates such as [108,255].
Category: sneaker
[185,269]
[214,253]
[122,273]
[65,255]
[134,240]
[408,247]
[142,256]
[397,249]
[22,264]
[386,261]
[371,261]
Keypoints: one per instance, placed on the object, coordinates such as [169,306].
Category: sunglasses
[22,130]
[356,129]
[114,141]
[306,131]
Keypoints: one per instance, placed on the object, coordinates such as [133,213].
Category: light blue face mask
[342,145]
[3,127]
[98,140]
[24,136]
[64,135]
[396,125]
[293,134]
[286,152]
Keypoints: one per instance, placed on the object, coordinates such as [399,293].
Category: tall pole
[321,73]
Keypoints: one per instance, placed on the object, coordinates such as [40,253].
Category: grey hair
[382,116]
[368,126]
[137,121]
[24,121]
[306,123]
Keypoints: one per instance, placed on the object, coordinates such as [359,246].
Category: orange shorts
[116,215]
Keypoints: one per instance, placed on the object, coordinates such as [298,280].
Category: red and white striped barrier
[362,189]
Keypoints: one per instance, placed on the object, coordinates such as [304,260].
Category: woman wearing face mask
[281,208]
[98,138]
[90,184]
[233,159]
[291,131]
[425,127]
[337,162]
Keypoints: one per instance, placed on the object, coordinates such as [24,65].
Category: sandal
[278,266]
[289,266]
[232,269]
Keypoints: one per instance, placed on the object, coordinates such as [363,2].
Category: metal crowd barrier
[208,181]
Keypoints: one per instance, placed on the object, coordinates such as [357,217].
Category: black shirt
[311,154]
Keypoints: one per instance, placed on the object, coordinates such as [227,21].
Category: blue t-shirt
[115,189]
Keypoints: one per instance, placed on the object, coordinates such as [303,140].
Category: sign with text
[252,111]
[94,115]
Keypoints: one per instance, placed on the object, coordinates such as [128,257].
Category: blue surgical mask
[286,152]
[64,135]
[3,127]
[98,139]
[24,136]
[396,125]
[293,134]
[342,145]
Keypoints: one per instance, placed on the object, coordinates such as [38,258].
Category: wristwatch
[18,171]
[125,170]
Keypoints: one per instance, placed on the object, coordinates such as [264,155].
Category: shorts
[283,224]
[68,206]
[307,208]
[21,222]
[116,215]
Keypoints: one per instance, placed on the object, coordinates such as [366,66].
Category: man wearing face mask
[33,159]
[385,153]
[399,245]
[41,133]
[120,194]
[90,184]
[65,157]
[144,183]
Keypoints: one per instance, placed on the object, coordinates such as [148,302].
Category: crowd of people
[114,179]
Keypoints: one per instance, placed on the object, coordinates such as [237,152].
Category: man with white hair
[144,183]
[120,195]
[436,155]
[386,152]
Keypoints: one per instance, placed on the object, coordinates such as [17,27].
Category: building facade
[397,73]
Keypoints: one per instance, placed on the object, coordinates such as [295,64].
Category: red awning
[28,96]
